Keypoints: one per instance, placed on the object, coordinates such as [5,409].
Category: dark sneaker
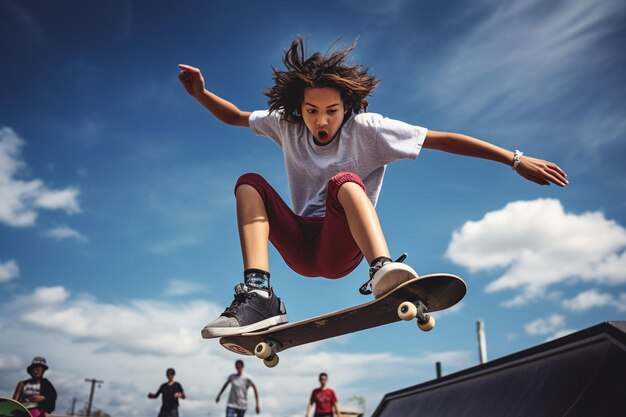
[250,310]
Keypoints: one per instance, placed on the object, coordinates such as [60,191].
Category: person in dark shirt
[171,391]
[37,393]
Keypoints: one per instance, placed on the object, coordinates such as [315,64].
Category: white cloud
[48,295]
[587,300]
[593,299]
[9,270]
[141,327]
[129,345]
[65,232]
[538,245]
[543,327]
[19,199]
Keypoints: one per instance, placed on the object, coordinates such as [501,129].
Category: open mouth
[322,135]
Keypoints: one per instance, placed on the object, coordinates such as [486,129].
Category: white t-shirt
[239,385]
[365,144]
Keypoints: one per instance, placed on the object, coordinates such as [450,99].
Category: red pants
[311,246]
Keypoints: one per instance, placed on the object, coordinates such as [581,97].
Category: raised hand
[191,78]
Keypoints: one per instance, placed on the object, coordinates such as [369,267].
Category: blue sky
[118,238]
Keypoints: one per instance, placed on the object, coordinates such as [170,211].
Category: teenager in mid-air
[335,155]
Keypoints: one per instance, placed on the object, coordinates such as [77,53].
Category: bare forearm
[459,144]
[223,110]
[533,169]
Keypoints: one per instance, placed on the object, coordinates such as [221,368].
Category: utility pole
[73,406]
[482,343]
[93,384]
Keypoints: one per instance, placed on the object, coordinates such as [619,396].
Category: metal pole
[482,343]
[438,366]
[73,406]
[93,384]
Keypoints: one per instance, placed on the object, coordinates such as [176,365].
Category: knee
[337,181]
[253,180]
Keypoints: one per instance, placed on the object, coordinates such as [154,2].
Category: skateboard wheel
[271,362]
[263,351]
[407,311]
[427,325]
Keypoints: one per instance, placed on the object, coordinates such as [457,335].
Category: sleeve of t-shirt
[180,387]
[333,400]
[264,123]
[394,139]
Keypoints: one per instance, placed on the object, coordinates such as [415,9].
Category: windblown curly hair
[353,82]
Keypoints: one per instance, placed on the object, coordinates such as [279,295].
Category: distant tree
[359,401]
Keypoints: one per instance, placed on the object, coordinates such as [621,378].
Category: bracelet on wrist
[517,158]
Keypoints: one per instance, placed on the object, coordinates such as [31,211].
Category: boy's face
[322,111]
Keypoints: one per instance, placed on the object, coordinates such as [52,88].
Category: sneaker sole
[390,276]
[211,332]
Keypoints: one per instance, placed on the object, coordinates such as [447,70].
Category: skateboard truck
[268,352]
[366,289]
[409,310]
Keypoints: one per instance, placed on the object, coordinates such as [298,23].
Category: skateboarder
[323,399]
[171,391]
[238,398]
[37,393]
[336,154]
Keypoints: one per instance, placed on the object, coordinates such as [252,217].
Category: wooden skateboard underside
[436,291]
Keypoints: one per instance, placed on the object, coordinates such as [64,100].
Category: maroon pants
[311,246]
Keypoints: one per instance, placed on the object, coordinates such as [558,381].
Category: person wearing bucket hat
[37,393]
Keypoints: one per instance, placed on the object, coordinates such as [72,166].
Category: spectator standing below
[324,400]
[171,391]
[238,398]
[37,393]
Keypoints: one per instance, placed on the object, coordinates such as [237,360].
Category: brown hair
[353,82]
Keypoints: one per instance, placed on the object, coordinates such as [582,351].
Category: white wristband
[517,158]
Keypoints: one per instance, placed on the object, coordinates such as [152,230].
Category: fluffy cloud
[542,327]
[593,299]
[538,244]
[20,199]
[141,327]
[553,327]
[9,270]
[129,345]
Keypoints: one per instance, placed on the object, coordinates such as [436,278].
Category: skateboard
[412,299]
[11,408]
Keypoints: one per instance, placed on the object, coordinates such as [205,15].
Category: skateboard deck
[414,298]
[11,408]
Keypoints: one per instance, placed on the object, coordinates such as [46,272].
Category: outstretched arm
[225,111]
[533,169]
[217,399]
[256,397]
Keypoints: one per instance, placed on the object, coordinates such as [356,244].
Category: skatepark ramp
[579,375]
